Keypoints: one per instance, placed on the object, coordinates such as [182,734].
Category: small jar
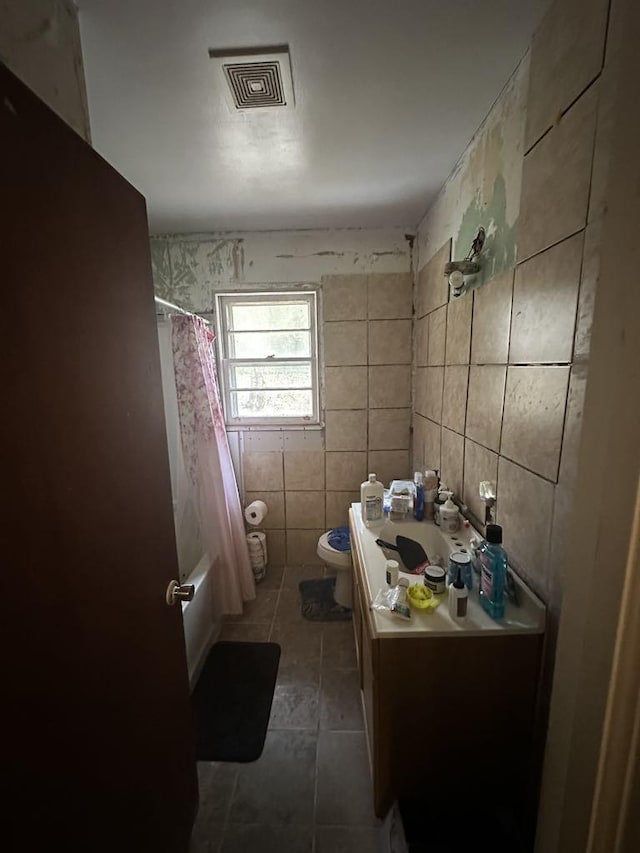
[435,579]
[462,561]
[392,571]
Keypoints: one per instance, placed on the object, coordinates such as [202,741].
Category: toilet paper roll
[257,542]
[255,512]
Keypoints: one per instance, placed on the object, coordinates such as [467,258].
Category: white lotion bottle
[371,500]
[449,516]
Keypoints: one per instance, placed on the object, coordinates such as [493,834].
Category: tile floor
[310,791]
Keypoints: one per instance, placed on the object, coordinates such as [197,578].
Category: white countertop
[526,618]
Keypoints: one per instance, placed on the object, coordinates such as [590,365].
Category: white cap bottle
[449,517]
[392,570]
[458,598]
[371,498]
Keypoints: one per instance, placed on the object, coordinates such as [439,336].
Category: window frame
[223,301]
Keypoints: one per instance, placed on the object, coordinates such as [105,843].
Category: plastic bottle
[371,498]
[449,516]
[430,485]
[458,598]
[418,503]
[392,570]
[441,497]
[493,572]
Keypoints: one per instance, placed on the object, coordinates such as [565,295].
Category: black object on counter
[411,553]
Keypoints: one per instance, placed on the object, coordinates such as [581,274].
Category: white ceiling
[388,94]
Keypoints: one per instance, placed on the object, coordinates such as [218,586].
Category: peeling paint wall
[484,187]
[189,268]
[40,43]
[500,373]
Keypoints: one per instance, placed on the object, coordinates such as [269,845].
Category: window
[268,349]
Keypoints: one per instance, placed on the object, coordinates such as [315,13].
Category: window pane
[293,375]
[273,404]
[274,315]
[265,344]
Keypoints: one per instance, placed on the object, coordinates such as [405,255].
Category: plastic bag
[393,600]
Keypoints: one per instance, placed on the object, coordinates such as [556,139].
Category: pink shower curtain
[208,463]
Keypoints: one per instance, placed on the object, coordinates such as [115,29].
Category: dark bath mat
[232,701]
[318,603]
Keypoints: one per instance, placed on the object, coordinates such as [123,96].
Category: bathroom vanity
[449,706]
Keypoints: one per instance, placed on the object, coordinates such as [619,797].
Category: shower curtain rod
[178,309]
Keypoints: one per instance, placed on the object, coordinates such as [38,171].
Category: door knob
[179,592]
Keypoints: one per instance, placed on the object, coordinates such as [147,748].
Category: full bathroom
[325,307]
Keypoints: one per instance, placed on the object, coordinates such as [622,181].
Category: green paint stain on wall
[499,251]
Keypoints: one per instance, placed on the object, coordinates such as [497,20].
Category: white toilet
[341,562]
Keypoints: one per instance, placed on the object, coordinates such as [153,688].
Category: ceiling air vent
[258,78]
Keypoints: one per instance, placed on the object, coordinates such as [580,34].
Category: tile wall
[366,346]
[499,374]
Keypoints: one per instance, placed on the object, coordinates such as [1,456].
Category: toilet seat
[331,556]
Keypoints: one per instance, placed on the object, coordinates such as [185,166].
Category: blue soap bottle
[493,572]
[418,501]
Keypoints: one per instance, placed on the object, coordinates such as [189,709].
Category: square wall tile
[420,381]
[479,464]
[422,342]
[565,58]
[565,490]
[276,548]
[274,519]
[534,408]
[432,445]
[302,547]
[484,404]
[346,471]
[454,397]
[524,509]
[390,386]
[545,296]
[433,288]
[437,335]
[390,465]
[345,387]
[344,297]
[390,342]
[262,471]
[556,178]
[346,430]
[389,429]
[451,468]
[345,343]
[305,510]
[458,345]
[390,296]
[604,137]
[417,443]
[338,504]
[588,286]
[303,470]
[492,319]
[435,379]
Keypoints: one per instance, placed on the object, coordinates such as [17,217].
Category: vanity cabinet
[446,716]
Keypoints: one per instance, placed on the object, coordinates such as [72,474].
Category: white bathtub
[201,625]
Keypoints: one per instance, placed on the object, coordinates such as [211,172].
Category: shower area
[206,509]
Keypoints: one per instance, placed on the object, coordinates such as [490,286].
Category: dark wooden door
[96,747]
